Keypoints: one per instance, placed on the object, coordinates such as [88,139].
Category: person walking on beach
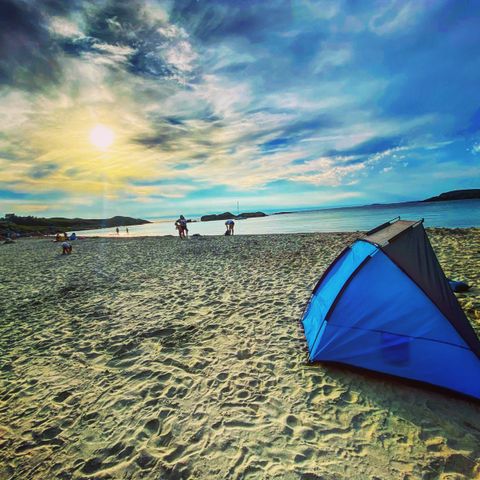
[181,226]
[230,224]
[126,229]
[118,231]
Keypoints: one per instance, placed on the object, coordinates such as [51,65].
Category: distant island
[43,226]
[471,194]
[228,215]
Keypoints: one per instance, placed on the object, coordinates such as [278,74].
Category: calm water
[460,213]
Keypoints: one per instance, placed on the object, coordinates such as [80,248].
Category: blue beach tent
[385,305]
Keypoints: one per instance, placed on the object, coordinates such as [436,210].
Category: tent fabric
[414,254]
[385,233]
[368,312]
[332,283]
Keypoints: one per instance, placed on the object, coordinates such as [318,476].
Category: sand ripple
[155,358]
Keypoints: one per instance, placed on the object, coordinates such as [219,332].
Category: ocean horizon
[448,214]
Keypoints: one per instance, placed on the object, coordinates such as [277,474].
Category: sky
[149,108]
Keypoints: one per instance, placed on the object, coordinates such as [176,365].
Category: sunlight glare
[101,136]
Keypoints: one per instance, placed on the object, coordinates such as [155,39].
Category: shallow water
[454,214]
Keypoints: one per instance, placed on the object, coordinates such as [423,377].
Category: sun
[101,136]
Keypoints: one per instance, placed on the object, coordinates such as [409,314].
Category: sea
[451,214]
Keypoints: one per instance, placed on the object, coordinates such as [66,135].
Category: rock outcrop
[228,215]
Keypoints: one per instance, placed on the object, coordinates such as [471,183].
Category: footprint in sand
[303,455]
[290,424]
[62,396]
[92,465]
[243,394]
[153,426]
[243,354]
[307,434]
[48,434]
[145,460]
[457,463]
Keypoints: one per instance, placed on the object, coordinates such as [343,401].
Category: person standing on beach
[185,226]
[118,231]
[181,226]
[230,224]
[126,229]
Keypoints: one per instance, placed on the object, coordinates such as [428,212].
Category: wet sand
[155,358]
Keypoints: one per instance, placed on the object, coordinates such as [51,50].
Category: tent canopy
[384,304]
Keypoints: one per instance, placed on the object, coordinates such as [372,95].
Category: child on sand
[67,248]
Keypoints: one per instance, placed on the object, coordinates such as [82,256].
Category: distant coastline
[470,194]
[453,195]
[30,225]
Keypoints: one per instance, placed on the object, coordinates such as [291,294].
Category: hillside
[456,195]
[41,226]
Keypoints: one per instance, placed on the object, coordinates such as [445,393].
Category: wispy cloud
[252,98]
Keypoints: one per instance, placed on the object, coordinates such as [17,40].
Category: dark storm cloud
[28,55]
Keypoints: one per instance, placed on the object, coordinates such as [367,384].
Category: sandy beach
[155,358]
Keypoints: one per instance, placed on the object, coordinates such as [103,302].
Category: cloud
[395,15]
[25,41]
[215,95]
[42,171]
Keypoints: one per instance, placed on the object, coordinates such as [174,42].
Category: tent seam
[402,335]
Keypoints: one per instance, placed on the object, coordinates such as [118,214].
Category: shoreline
[267,234]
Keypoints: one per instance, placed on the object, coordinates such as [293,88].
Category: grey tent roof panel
[387,232]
